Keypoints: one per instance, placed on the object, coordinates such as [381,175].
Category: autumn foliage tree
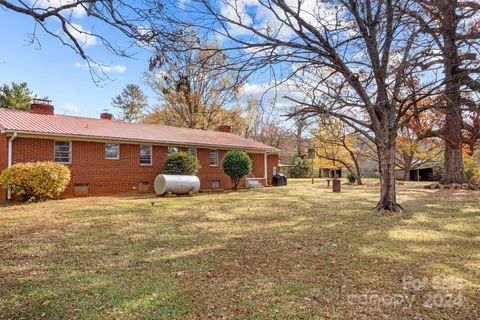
[451,29]
[194,89]
[131,103]
[339,146]
[417,145]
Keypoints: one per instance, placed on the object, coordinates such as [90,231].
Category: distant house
[107,156]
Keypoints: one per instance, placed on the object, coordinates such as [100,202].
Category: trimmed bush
[236,164]
[181,163]
[36,180]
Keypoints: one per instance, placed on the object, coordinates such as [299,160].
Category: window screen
[112,151]
[214,158]
[145,155]
[63,151]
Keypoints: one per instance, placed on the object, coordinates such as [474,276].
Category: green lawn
[296,252]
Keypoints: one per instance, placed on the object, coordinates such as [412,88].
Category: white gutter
[10,145]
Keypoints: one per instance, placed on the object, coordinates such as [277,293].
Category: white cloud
[272,20]
[70,108]
[77,11]
[114,68]
[85,38]
[81,65]
[270,93]
[181,4]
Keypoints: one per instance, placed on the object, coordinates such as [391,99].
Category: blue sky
[56,71]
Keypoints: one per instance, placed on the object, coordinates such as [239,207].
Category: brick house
[113,157]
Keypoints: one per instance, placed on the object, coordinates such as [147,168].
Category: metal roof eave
[271,150]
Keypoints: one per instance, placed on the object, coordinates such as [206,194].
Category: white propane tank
[165,183]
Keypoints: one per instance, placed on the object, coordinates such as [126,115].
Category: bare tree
[348,58]
[298,130]
[262,124]
[142,22]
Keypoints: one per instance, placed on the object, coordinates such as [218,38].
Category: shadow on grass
[292,252]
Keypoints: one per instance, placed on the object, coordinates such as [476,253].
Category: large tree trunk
[407,167]
[453,171]
[388,195]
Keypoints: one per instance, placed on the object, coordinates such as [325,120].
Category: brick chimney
[106,116]
[42,106]
[224,128]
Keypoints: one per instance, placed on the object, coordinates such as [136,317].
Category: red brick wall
[104,176]
[3,161]
[207,173]
[257,165]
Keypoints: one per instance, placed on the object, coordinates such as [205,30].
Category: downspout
[265,169]
[10,144]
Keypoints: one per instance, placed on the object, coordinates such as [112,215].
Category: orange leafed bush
[36,180]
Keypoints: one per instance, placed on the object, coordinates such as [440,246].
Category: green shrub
[351,178]
[300,167]
[36,180]
[236,164]
[181,163]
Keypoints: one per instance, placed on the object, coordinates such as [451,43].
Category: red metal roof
[61,125]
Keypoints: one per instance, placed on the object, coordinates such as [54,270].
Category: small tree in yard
[236,164]
[36,180]
[299,167]
[181,163]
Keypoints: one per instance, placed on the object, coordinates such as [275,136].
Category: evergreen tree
[17,96]
[299,167]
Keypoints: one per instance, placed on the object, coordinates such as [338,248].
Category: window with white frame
[145,155]
[112,151]
[63,151]
[213,158]
[173,149]
[192,151]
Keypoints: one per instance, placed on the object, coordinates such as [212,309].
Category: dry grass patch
[296,252]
